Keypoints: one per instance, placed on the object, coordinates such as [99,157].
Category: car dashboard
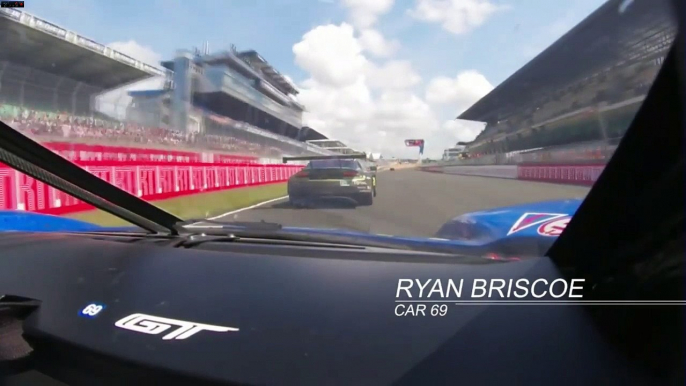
[295,315]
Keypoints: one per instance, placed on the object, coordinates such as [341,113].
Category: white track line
[195,225]
[247,208]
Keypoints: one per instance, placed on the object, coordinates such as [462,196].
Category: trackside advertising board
[150,175]
[499,171]
[149,181]
[563,174]
[415,143]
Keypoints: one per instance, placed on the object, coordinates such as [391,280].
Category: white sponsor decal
[529,219]
[154,325]
[553,228]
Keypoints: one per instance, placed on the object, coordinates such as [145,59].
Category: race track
[413,203]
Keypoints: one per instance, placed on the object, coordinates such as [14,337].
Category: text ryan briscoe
[439,289]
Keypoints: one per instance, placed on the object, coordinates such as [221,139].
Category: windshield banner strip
[323,157]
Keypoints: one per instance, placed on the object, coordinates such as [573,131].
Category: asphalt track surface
[412,203]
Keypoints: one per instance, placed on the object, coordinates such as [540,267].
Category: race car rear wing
[320,157]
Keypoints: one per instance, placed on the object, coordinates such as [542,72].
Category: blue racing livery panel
[542,221]
[22,221]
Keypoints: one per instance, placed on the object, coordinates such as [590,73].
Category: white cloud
[375,43]
[137,51]
[461,131]
[336,107]
[364,13]
[396,74]
[331,55]
[370,106]
[455,16]
[462,91]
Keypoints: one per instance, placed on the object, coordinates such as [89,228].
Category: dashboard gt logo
[148,324]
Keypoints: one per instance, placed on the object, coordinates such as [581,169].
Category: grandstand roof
[33,42]
[278,80]
[309,134]
[328,143]
[611,34]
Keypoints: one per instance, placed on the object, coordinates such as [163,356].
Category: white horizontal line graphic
[554,302]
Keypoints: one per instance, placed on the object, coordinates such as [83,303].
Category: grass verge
[200,205]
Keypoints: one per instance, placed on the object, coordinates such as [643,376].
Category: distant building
[333,145]
[455,152]
[239,85]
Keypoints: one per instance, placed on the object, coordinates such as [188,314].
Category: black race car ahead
[344,176]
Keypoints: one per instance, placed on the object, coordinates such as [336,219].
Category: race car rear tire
[366,199]
[295,203]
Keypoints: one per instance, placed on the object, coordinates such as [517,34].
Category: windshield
[469,121]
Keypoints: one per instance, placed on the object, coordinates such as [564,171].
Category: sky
[371,73]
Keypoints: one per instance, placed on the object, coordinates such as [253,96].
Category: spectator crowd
[572,115]
[69,128]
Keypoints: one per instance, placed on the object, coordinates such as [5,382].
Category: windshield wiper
[200,231]
[195,240]
[326,241]
[235,230]
[248,234]
[250,225]
[225,234]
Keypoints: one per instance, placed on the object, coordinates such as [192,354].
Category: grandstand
[583,89]
[47,67]
[226,93]
[234,102]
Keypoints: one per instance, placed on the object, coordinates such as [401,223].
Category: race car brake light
[349,174]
